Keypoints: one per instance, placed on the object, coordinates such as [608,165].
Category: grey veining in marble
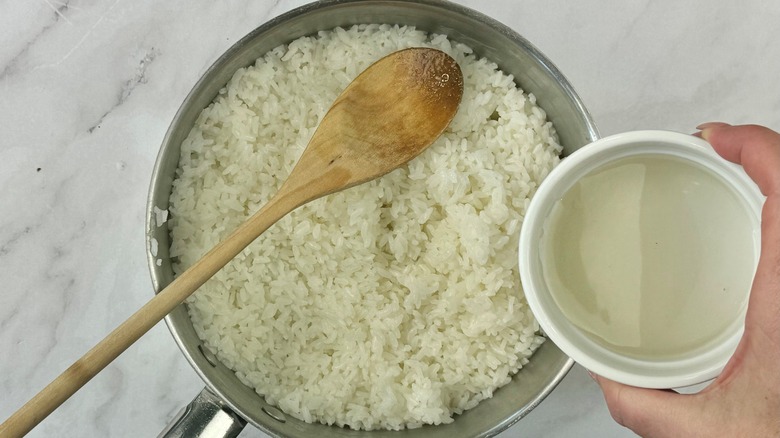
[87,90]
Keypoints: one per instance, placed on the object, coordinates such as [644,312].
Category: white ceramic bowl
[673,373]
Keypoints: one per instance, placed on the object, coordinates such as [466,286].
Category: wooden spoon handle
[389,114]
[78,374]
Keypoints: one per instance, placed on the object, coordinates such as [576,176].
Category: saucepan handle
[205,417]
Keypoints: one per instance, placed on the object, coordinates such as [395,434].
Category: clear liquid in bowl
[650,256]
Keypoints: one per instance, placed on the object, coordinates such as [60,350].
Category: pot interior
[513,54]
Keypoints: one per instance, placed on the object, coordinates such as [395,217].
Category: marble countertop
[87,90]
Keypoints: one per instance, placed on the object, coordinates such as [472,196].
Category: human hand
[744,401]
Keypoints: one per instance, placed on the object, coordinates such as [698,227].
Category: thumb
[648,412]
[757,149]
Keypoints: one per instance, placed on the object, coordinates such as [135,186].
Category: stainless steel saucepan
[226,405]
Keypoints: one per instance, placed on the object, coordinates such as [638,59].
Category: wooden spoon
[388,115]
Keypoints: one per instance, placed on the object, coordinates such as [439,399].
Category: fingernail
[705,133]
[704,126]
[592,376]
[705,129]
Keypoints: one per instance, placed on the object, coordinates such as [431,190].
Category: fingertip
[645,411]
[706,129]
[612,396]
[610,388]
[756,148]
[709,125]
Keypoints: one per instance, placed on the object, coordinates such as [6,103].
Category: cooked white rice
[392,304]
